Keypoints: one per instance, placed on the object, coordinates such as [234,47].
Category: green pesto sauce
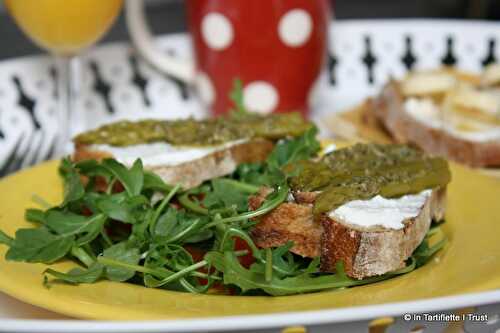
[190,132]
[363,171]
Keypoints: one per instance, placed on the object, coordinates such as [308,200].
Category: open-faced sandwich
[444,113]
[368,206]
[284,222]
[189,152]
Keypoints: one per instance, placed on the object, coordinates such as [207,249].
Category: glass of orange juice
[65,28]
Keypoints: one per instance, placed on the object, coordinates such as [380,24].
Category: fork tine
[11,157]
[22,156]
[38,152]
[52,149]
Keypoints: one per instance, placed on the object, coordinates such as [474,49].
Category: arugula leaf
[166,223]
[78,275]
[132,179]
[73,187]
[93,231]
[268,270]
[201,236]
[175,226]
[227,193]
[286,152]
[78,252]
[284,263]
[251,173]
[154,182]
[236,96]
[290,151]
[425,251]
[93,168]
[161,207]
[282,260]
[272,201]
[39,245]
[226,242]
[90,201]
[174,266]
[124,253]
[119,211]
[35,215]
[187,228]
[175,276]
[192,205]
[67,224]
[180,279]
[70,224]
[237,275]
[6,239]
[169,256]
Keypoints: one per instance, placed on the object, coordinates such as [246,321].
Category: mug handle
[142,38]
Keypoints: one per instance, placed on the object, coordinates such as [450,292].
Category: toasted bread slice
[365,251]
[389,109]
[290,221]
[192,173]
[375,250]
[189,151]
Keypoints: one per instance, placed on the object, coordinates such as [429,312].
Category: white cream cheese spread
[379,211]
[425,111]
[161,153]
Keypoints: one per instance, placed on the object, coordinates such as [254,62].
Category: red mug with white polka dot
[275,47]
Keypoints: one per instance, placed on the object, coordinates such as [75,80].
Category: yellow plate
[470,263]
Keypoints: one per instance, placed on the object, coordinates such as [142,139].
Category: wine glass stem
[68,90]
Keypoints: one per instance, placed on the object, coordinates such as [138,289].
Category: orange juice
[64,26]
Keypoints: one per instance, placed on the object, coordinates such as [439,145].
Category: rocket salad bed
[126,225]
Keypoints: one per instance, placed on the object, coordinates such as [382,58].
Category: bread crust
[193,173]
[288,222]
[388,108]
[364,251]
[374,251]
